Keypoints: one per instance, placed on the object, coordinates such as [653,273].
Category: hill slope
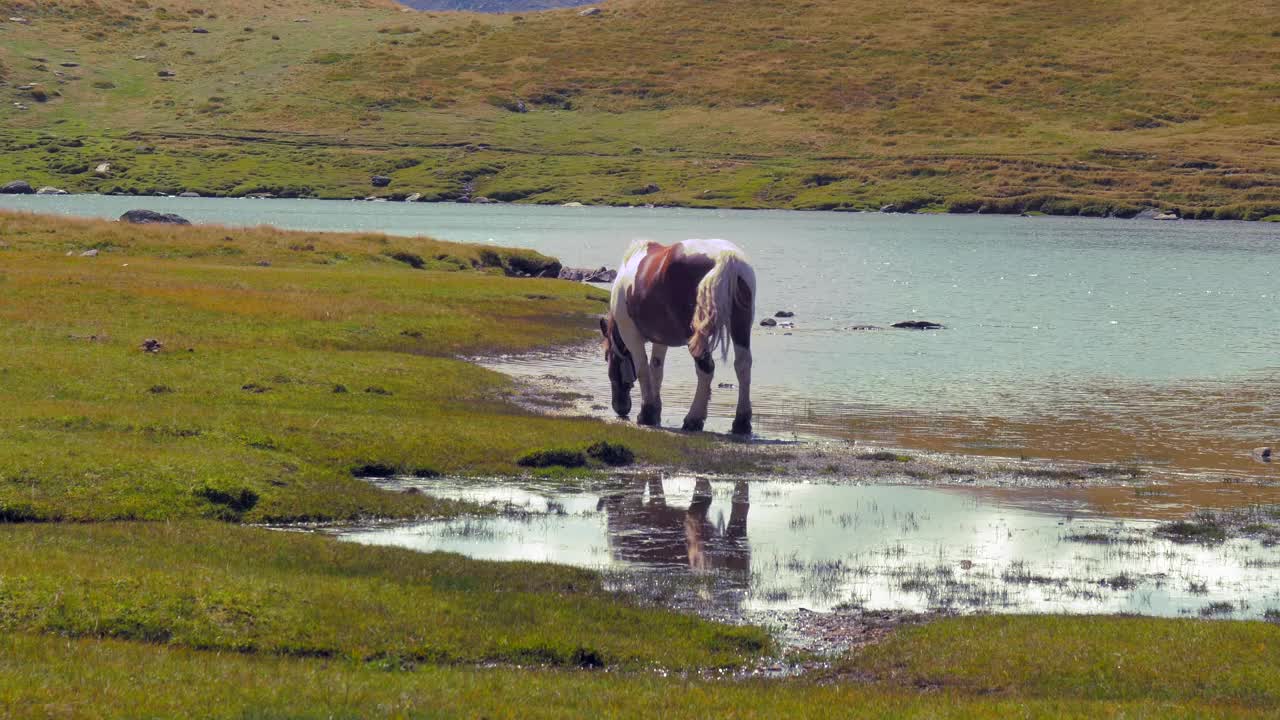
[925,104]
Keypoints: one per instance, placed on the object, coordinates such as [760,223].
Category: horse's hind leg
[702,396]
[742,366]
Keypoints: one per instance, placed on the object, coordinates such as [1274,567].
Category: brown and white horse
[699,293]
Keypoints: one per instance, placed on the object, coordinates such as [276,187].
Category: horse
[699,293]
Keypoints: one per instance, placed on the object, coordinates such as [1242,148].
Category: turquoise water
[1168,330]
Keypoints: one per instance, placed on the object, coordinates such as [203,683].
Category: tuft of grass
[554,457]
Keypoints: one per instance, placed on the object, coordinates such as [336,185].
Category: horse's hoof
[693,425]
[649,415]
[742,425]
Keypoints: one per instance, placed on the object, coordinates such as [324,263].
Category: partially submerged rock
[17,187]
[600,275]
[768,322]
[864,327]
[50,190]
[784,314]
[146,217]
[917,325]
[189,194]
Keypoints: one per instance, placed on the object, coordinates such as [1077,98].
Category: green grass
[120,679]
[930,105]
[218,587]
[237,417]
[1114,659]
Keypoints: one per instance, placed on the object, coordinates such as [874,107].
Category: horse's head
[622,369]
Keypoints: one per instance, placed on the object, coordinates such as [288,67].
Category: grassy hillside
[928,105]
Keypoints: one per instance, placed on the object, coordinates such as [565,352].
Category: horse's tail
[718,299]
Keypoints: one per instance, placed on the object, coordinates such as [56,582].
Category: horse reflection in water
[643,529]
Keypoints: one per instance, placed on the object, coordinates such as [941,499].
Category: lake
[1105,340]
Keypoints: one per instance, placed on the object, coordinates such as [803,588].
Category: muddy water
[761,546]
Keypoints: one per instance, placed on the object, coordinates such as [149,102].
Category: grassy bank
[119,679]
[931,105]
[288,361]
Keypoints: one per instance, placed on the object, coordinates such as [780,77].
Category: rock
[70,64]
[199,31]
[786,324]
[784,313]
[166,73]
[93,252]
[139,57]
[482,200]
[414,197]
[103,169]
[726,386]
[50,190]
[864,327]
[189,194]
[145,217]
[590,12]
[649,189]
[17,187]
[1165,216]
[1262,454]
[572,204]
[152,345]
[890,208]
[600,275]
[768,322]
[379,181]
[20,20]
[917,325]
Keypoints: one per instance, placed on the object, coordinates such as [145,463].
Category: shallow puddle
[747,548]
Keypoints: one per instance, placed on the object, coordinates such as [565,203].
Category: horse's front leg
[657,364]
[742,366]
[698,410]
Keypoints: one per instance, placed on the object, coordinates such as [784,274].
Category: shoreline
[1143,213]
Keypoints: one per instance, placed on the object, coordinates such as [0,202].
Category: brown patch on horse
[743,315]
[664,293]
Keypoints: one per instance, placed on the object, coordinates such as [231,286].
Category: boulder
[590,12]
[482,200]
[70,64]
[151,345]
[649,189]
[145,217]
[784,314]
[92,252]
[166,73]
[890,208]
[413,197]
[768,322]
[199,31]
[103,169]
[50,190]
[917,325]
[1262,454]
[189,194]
[17,187]
[599,275]
[379,181]
[572,204]
[1165,216]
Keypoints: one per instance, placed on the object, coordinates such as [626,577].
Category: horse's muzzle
[622,399]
